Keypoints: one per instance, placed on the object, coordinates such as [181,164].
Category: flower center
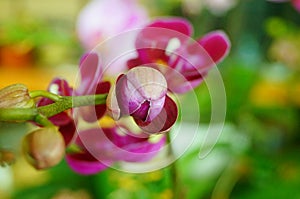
[161,62]
[173,44]
[107,122]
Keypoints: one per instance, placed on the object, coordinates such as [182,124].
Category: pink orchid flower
[90,84]
[165,44]
[100,148]
[63,120]
[142,94]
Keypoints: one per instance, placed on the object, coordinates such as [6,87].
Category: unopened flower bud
[15,96]
[140,93]
[44,147]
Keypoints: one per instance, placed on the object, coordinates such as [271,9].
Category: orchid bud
[15,96]
[140,93]
[44,147]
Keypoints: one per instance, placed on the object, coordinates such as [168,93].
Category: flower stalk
[177,186]
[42,93]
[40,114]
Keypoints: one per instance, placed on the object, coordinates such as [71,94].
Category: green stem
[68,102]
[177,186]
[17,114]
[73,148]
[41,119]
[61,105]
[40,114]
[22,115]
[41,93]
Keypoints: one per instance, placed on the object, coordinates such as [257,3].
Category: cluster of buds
[43,147]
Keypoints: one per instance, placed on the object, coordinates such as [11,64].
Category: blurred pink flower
[296,4]
[142,94]
[101,19]
[165,44]
[100,148]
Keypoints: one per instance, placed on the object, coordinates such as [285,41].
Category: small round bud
[44,147]
[15,96]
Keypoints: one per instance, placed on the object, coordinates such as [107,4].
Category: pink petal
[108,145]
[190,59]
[113,108]
[68,131]
[187,66]
[152,55]
[84,164]
[128,99]
[163,122]
[174,23]
[153,40]
[96,142]
[141,151]
[94,156]
[134,63]
[91,74]
[216,44]
[129,147]
[190,63]
[296,4]
[60,119]
[102,88]
[177,83]
[177,26]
